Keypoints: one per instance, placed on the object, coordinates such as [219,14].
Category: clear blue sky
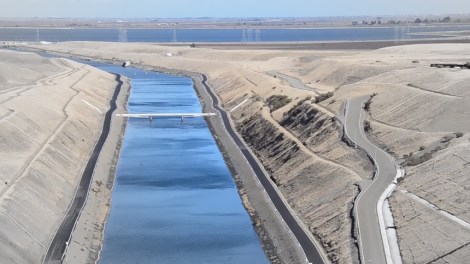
[226,8]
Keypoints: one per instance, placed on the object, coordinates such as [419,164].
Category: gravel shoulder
[86,239]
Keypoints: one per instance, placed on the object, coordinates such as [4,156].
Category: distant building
[446,19]
[126,64]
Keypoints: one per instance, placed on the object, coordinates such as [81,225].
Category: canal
[174,199]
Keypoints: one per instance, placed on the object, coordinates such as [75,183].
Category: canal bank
[85,240]
[277,240]
[174,198]
[279,243]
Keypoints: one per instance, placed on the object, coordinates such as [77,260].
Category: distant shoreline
[225,27]
[320,45]
[360,21]
[251,36]
[287,45]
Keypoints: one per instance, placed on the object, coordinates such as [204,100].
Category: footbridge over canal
[150,116]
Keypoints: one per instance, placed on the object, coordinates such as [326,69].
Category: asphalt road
[58,244]
[308,246]
[371,244]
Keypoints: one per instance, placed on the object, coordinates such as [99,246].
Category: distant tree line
[418,20]
[446,19]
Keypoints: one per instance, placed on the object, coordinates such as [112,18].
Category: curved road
[373,248]
[308,246]
[58,245]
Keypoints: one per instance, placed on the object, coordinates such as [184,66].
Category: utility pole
[122,35]
[38,39]
[174,39]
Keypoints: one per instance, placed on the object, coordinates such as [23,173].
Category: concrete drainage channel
[389,234]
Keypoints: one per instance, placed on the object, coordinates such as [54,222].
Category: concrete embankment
[278,242]
[51,119]
[85,241]
[303,170]
[62,237]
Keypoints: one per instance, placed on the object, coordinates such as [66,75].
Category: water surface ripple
[174,200]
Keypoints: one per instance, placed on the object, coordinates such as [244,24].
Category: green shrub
[367,127]
[323,97]
[367,105]
[277,101]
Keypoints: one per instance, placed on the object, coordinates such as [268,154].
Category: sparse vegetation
[367,104]
[323,97]
[367,127]
[447,138]
[415,160]
[437,148]
[257,98]
[277,101]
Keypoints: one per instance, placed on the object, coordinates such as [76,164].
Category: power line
[258,35]
[174,39]
[243,35]
[122,35]
[38,39]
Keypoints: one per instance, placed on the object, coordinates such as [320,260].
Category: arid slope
[418,113]
[51,113]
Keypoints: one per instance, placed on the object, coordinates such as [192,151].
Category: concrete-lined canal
[174,200]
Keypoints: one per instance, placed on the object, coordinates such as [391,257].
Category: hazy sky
[226,8]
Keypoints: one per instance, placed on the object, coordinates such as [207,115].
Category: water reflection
[174,200]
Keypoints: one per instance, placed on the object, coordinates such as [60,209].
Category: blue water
[218,35]
[174,200]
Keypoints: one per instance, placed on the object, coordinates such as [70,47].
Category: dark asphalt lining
[307,245]
[57,248]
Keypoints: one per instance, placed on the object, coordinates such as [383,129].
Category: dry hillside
[51,114]
[282,109]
